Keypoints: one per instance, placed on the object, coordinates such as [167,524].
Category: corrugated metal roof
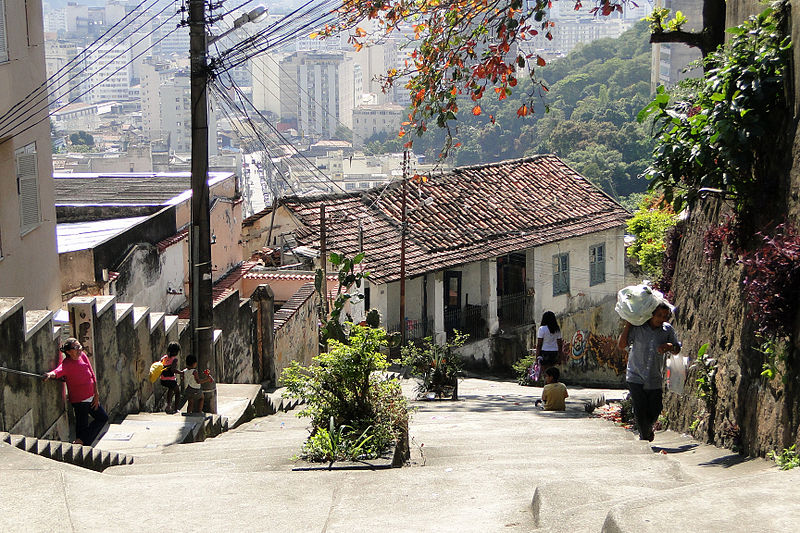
[75,236]
[125,188]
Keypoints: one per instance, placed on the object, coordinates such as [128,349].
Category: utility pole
[403,254]
[200,233]
[323,259]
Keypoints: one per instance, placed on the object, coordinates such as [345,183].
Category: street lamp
[202,306]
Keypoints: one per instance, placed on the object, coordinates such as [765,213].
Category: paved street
[489,462]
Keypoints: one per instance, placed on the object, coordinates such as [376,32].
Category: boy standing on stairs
[193,380]
[648,345]
[168,379]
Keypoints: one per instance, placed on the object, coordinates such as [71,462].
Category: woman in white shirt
[549,342]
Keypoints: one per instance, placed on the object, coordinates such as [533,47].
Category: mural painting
[587,350]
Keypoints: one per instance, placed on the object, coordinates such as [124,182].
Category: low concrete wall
[122,342]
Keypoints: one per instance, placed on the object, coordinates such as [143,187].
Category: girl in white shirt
[549,342]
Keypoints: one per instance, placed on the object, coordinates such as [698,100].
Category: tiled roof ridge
[292,305]
[174,239]
[505,162]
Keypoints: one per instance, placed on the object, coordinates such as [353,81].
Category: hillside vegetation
[594,95]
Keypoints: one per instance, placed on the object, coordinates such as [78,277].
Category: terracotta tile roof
[224,286]
[169,241]
[476,213]
[294,303]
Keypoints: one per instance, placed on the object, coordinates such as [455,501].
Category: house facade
[28,257]
[488,249]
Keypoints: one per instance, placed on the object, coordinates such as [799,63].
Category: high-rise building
[317,90]
[166,108]
[671,60]
[107,72]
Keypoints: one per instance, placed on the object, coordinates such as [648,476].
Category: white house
[489,248]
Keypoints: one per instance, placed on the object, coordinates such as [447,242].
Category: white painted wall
[578,249]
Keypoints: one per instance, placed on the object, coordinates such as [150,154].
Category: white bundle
[636,303]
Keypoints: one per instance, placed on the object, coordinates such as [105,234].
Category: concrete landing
[146,433]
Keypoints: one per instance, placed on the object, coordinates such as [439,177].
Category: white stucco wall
[578,249]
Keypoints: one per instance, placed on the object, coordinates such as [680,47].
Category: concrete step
[763,502]
[76,454]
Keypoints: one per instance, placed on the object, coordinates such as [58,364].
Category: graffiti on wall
[587,350]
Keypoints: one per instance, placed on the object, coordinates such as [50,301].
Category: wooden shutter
[28,184]
[3,39]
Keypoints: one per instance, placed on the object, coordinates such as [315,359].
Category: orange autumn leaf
[540,61]
[408,144]
[476,110]
[522,111]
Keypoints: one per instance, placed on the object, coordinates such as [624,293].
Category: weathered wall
[235,317]
[122,341]
[29,343]
[150,277]
[296,330]
[751,413]
[590,329]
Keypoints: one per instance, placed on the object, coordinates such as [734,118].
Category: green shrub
[435,365]
[522,370]
[351,406]
[787,459]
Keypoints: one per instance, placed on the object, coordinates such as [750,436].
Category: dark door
[452,301]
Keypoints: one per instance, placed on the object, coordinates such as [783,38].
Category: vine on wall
[712,140]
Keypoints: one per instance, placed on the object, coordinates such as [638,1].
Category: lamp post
[202,306]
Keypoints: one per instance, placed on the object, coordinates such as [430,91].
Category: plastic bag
[676,372]
[155,371]
[636,303]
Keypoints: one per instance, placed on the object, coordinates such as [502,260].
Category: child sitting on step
[192,379]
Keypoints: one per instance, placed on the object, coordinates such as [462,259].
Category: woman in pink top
[77,371]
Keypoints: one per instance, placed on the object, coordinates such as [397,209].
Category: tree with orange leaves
[463,47]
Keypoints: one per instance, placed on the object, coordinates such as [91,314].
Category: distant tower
[671,59]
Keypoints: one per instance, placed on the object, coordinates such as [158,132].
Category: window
[3,40]
[597,264]
[560,274]
[27,187]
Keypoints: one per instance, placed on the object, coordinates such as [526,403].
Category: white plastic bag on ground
[636,303]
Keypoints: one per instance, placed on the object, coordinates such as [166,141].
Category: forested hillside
[593,98]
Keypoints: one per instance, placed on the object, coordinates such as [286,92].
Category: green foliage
[775,352]
[787,459]
[436,366]
[81,138]
[660,15]
[522,369]
[350,275]
[594,95]
[706,372]
[714,138]
[373,318]
[650,224]
[346,397]
[335,444]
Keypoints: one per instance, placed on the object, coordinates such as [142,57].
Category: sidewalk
[489,462]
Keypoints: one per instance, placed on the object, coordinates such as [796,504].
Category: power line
[58,74]
[50,91]
[8,133]
[12,124]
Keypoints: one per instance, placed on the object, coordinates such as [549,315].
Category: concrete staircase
[75,454]
[488,463]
